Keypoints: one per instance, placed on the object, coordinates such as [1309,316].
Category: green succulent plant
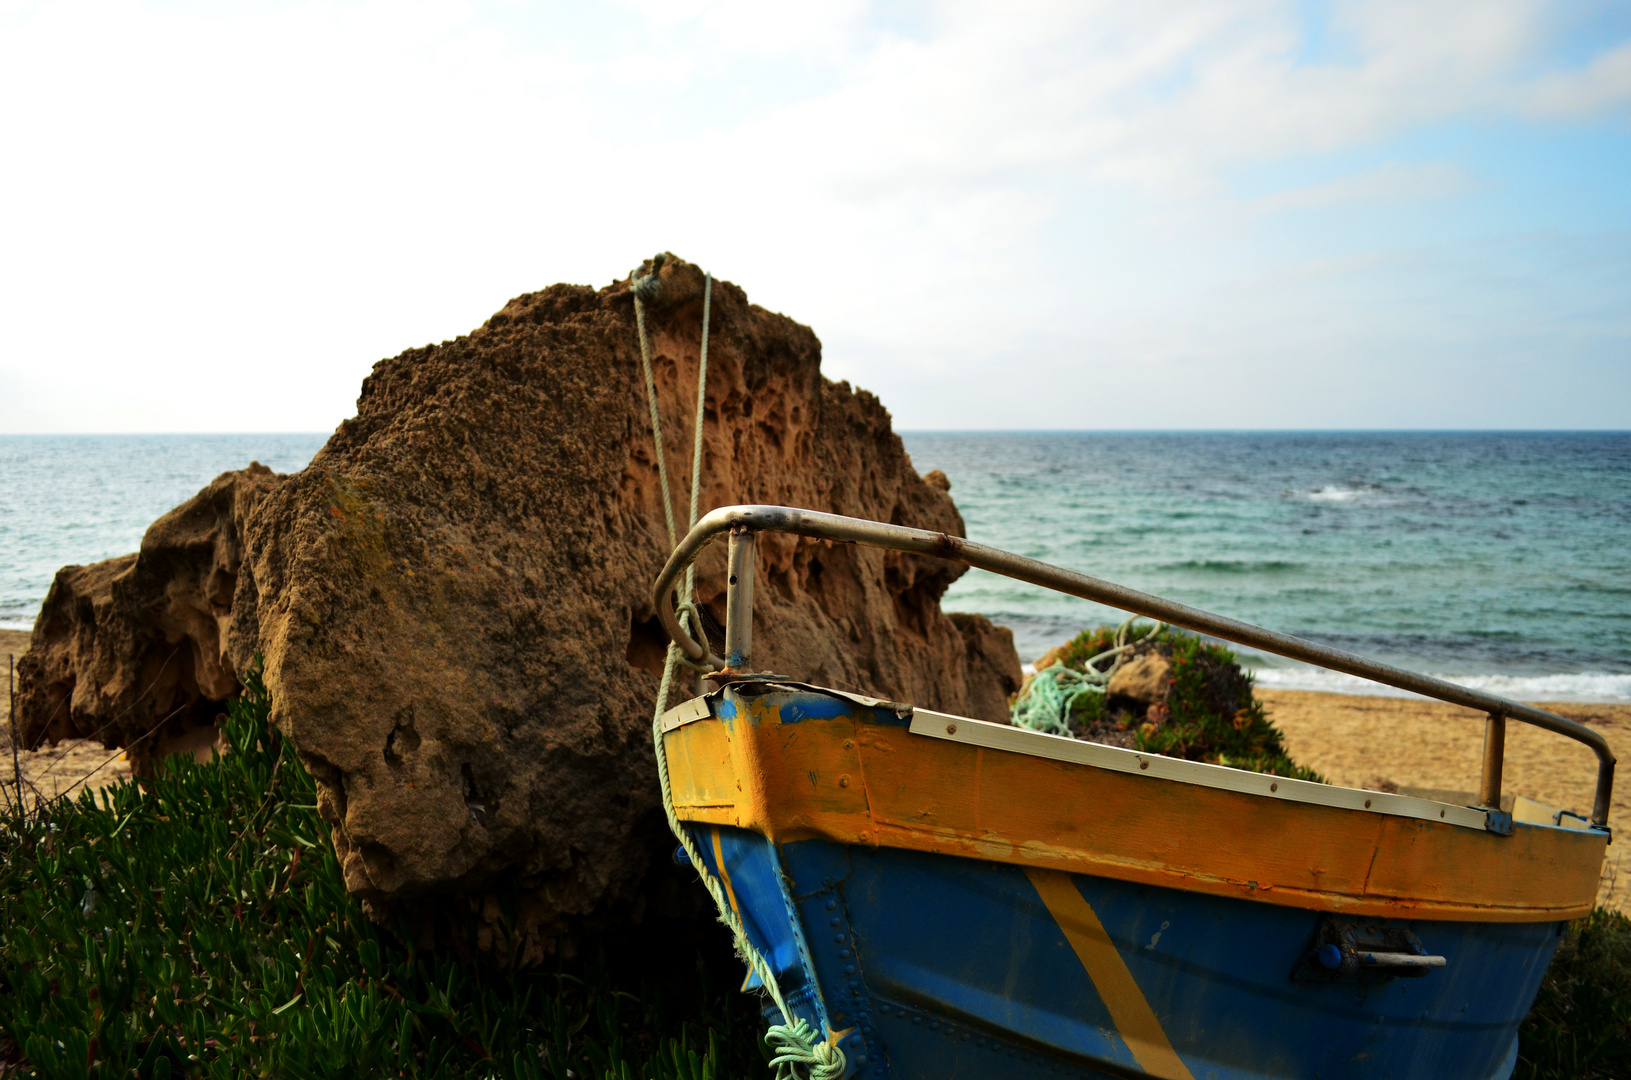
[198,925]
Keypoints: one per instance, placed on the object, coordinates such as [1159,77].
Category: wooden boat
[947,897]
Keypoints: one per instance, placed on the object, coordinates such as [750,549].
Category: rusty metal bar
[923,542]
[739,598]
[1489,783]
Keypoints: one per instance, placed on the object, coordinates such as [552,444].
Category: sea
[1500,560]
[67,499]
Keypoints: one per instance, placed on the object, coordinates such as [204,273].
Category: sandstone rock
[453,606]
[453,599]
[130,651]
[1144,678]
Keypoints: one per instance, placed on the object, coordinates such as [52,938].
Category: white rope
[651,400]
[798,1054]
[696,453]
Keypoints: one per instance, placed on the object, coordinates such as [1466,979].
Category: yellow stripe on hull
[1135,1021]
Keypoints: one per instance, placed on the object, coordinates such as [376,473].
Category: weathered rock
[1145,678]
[130,651]
[453,606]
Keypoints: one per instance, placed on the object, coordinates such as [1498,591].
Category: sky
[1224,214]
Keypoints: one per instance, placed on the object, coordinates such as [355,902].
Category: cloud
[1393,182]
[1602,86]
[754,28]
[253,204]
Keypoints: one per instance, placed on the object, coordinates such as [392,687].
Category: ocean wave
[1233,566]
[1585,686]
[1333,493]
[1370,494]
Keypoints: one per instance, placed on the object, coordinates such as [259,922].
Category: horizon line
[949,431]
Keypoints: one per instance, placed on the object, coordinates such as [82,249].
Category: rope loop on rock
[690,617]
[798,1053]
[646,286]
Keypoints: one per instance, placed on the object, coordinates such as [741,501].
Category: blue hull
[934,966]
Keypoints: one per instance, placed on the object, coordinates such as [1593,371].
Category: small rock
[1144,679]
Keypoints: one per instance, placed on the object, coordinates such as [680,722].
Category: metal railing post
[1605,791]
[1489,783]
[739,599]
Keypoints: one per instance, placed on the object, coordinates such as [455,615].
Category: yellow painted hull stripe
[730,893]
[724,875]
[1135,1021]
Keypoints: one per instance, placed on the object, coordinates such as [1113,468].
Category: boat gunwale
[742,521]
[795,775]
[1006,737]
[1017,740]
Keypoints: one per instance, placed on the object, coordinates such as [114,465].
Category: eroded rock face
[131,651]
[453,599]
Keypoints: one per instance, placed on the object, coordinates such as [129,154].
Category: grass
[1580,1026]
[1210,713]
[201,928]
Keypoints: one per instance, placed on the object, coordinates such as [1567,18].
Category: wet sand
[1376,742]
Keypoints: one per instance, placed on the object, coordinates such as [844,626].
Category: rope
[794,1045]
[797,1052]
[645,288]
[1045,704]
[696,453]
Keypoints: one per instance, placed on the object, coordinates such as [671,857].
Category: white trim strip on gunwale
[685,712]
[961,729]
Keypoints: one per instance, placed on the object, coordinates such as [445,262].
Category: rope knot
[795,1046]
[647,286]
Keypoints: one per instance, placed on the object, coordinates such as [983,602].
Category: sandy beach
[67,768]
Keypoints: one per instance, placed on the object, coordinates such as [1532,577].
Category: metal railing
[742,522]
